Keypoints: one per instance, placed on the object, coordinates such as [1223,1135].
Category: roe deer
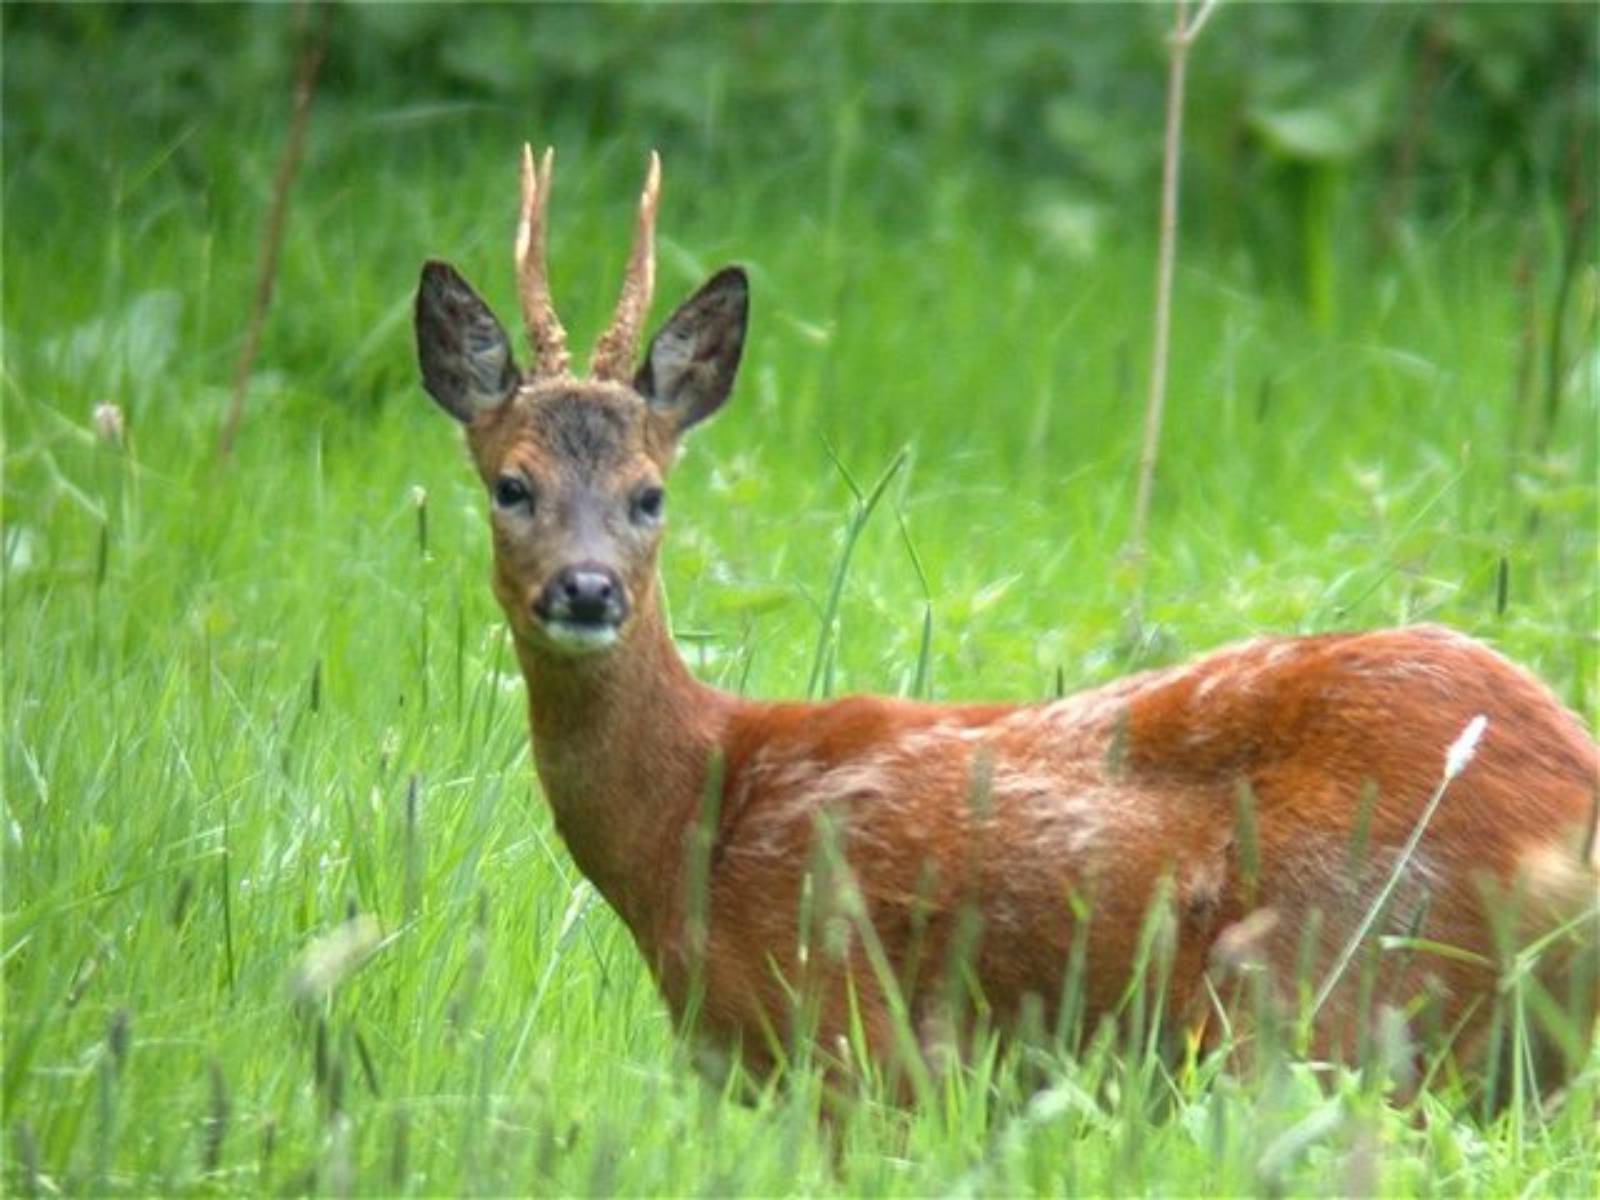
[841,859]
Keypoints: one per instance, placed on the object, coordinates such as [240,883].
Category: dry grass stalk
[1183,37]
[305,86]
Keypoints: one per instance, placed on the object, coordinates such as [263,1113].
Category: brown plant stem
[312,52]
[1184,34]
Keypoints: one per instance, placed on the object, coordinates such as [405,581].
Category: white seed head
[334,957]
[108,423]
[1464,747]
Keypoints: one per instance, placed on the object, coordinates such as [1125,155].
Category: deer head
[576,468]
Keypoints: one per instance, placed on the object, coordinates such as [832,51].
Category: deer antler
[614,352]
[548,338]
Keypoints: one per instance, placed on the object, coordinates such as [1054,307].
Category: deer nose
[584,594]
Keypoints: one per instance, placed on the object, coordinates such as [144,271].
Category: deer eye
[648,503]
[511,492]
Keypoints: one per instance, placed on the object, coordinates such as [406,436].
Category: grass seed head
[109,424]
[334,957]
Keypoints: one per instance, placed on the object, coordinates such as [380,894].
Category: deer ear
[465,355]
[688,372]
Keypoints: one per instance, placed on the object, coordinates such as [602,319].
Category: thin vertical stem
[1183,36]
[305,87]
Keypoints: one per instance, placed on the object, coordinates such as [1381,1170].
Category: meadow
[261,716]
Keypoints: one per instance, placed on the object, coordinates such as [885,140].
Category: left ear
[689,369]
[464,354]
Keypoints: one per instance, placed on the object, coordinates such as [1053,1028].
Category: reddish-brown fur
[1307,723]
[1001,840]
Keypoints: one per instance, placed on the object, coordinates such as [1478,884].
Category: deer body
[809,870]
[971,829]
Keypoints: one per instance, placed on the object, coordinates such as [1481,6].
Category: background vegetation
[245,704]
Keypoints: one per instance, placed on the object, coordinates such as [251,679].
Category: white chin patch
[579,639]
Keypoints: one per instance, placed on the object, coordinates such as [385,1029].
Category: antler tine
[548,338]
[614,353]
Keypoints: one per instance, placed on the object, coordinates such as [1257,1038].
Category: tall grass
[283,910]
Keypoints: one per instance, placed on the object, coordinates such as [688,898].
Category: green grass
[242,704]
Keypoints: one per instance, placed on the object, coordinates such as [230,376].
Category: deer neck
[623,742]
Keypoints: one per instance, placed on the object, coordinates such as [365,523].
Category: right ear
[688,371]
[465,355]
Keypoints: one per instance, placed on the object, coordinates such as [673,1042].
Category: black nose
[585,594]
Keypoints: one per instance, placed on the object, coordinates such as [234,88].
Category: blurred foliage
[1323,143]
[1422,107]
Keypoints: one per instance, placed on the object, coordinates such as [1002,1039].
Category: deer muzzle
[582,607]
